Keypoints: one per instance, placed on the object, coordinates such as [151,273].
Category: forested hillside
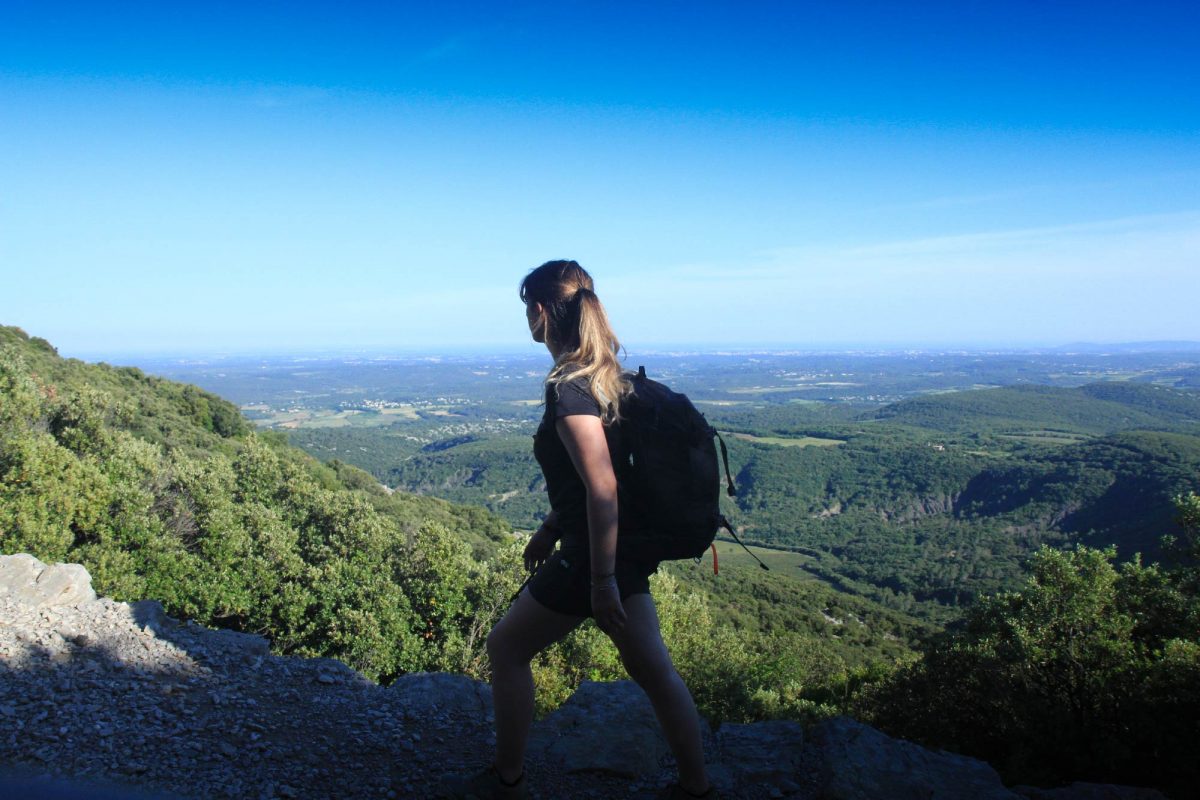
[1088,671]
[1097,408]
[162,491]
[951,521]
[923,505]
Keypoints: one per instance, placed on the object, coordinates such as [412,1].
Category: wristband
[604,581]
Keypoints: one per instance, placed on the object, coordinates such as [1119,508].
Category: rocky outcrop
[436,692]
[29,582]
[928,506]
[604,727]
[118,700]
[770,753]
[1090,791]
[857,762]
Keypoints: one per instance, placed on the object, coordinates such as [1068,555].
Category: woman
[576,446]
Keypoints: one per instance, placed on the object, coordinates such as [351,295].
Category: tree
[1090,672]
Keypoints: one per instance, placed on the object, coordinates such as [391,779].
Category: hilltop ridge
[1094,408]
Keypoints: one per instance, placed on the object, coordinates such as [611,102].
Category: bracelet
[604,581]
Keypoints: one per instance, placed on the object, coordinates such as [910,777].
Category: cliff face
[107,699]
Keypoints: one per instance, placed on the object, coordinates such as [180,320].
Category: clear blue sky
[258,176]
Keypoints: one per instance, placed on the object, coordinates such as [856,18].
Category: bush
[1088,673]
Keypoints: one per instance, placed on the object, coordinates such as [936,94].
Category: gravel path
[119,695]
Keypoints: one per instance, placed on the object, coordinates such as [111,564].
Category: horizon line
[381,352]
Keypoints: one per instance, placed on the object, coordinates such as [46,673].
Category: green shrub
[1088,673]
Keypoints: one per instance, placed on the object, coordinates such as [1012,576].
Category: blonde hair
[577,328]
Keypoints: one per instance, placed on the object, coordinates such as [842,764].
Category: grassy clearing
[733,560]
[328,418]
[770,389]
[405,412]
[1047,437]
[789,441]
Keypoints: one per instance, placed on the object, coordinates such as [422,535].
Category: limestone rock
[1090,791]
[248,644]
[763,751]
[603,727]
[425,692]
[30,582]
[857,762]
[102,693]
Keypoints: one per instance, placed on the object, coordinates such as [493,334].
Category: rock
[764,751]
[1090,791]
[247,644]
[857,762]
[422,692]
[109,691]
[603,727]
[30,582]
[149,614]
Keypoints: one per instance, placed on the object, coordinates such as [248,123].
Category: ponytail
[578,327]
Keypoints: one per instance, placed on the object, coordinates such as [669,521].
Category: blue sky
[208,177]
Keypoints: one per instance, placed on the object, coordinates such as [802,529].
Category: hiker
[576,446]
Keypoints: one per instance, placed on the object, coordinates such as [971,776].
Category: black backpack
[671,475]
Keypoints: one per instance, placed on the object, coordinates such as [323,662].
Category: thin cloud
[455,46]
[1179,226]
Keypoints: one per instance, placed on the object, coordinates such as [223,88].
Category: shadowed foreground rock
[100,699]
[603,727]
[858,762]
[1090,791]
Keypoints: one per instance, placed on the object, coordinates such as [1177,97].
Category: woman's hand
[540,546]
[607,607]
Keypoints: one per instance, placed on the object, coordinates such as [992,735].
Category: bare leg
[649,664]
[527,629]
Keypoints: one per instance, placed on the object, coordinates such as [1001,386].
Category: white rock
[30,582]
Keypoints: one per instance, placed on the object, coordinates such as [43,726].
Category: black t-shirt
[566,490]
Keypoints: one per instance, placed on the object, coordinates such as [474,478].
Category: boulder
[604,727]
[1090,791]
[237,643]
[856,762]
[762,752]
[439,692]
[30,582]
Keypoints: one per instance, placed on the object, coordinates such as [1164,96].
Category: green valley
[939,559]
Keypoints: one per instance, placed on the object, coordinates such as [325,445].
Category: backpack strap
[525,583]
[731,491]
[725,524]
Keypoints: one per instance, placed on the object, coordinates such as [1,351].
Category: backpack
[671,475]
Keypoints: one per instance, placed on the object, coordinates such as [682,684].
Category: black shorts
[563,583]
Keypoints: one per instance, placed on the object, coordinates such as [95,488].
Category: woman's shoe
[486,785]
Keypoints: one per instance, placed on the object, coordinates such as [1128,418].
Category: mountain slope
[163,491]
[1096,409]
[241,531]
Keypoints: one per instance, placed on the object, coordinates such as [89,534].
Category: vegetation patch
[786,441]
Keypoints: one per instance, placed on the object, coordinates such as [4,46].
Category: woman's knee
[648,670]
[499,647]
[506,646]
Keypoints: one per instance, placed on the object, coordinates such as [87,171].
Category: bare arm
[541,543]
[583,437]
